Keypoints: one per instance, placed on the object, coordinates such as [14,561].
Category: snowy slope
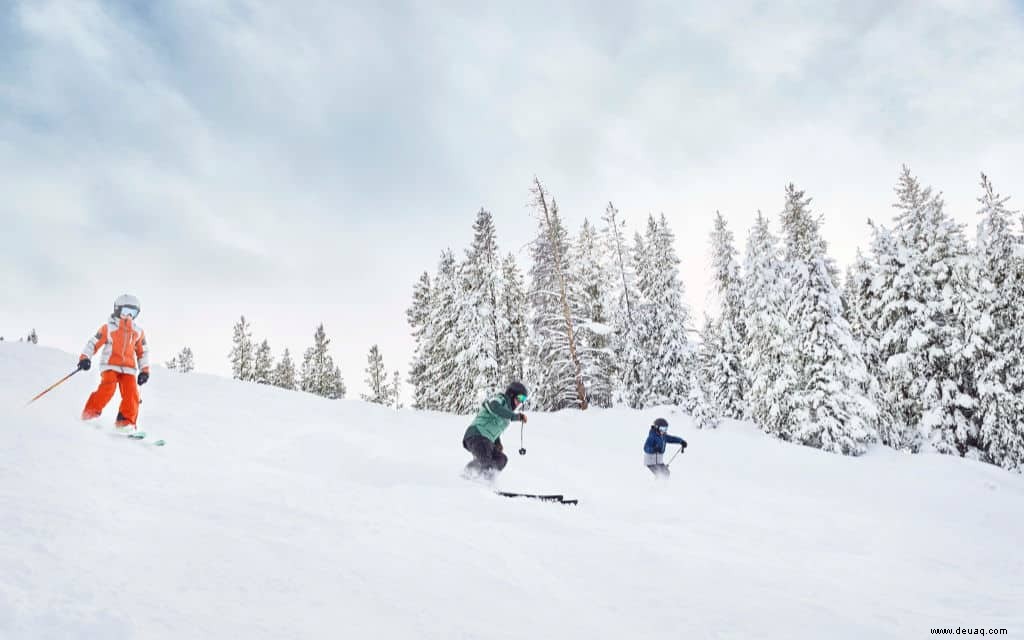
[273,514]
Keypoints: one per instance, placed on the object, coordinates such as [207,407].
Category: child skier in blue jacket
[654,447]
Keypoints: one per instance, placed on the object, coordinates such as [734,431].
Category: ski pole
[674,457]
[522,440]
[52,387]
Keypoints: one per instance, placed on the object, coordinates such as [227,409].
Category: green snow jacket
[492,419]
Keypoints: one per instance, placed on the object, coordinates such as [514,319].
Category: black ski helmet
[514,389]
[660,423]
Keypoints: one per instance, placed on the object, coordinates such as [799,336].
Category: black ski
[549,497]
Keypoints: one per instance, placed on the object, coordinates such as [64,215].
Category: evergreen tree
[513,308]
[728,381]
[556,372]
[418,316]
[263,364]
[1000,363]
[622,280]
[443,388]
[588,282]
[624,297]
[824,375]
[922,312]
[182,362]
[766,326]
[284,372]
[32,338]
[697,405]
[396,391]
[243,353]
[855,298]
[320,376]
[376,379]
[634,344]
[186,361]
[481,326]
[661,321]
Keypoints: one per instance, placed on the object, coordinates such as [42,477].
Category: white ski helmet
[127,300]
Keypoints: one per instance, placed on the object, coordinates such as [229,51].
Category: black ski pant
[488,456]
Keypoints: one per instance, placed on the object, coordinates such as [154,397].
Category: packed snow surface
[275,514]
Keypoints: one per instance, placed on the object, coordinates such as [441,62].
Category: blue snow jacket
[656,442]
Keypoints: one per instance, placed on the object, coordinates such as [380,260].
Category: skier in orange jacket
[125,354]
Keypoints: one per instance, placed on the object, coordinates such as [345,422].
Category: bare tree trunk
[542,204]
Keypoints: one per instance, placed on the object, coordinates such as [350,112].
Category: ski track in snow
[274,514]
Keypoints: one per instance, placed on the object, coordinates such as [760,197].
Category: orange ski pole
[53,386]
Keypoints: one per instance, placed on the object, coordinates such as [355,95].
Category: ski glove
[143,378]
[84,364]
[682,447]
[522,418]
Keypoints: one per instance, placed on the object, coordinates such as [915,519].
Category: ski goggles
[131,312]
[522,398]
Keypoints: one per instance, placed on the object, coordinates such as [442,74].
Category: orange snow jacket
[124,346]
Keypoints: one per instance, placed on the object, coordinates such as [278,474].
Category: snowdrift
[275,514]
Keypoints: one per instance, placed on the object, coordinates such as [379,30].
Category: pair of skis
[543,497]
[141,435]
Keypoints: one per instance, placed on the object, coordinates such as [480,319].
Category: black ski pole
[522,440]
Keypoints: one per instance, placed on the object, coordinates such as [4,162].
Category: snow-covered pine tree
[707,363]
[243,352]
[186,361]
[556,373]
[376,378]
[698,406]
[320,376]
[263,364]
[855,297]
[922,313]
[1000,365]
[635,341]
[33,337]
[284,372]
[661,320]
[766,325]
[172,364]
[481,326]
[726,378]
[443,387]
[887,320]
[395,400]
[513,307]
[588,283]
[824,375]
[623,296]
[418,316]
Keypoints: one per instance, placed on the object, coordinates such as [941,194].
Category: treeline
[919,346]
[318,373]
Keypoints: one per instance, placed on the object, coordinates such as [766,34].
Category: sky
[304,163]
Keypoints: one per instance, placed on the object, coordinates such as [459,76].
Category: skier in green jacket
[483,437]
